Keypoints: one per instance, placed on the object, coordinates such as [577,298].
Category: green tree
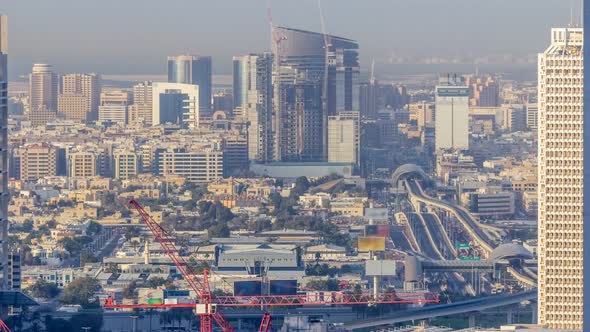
[87,257]
[218,230]
[43,289]
[155,282]
[190,205]
[301,186]
[80,291]
[196,266]
[93,228]
[130,291]
[131,232]
[27,226]
[323,285]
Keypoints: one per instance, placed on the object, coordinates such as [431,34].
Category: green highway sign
[462,245]
[467,258]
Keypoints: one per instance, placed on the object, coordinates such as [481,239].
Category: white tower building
[452,114]
[561,171]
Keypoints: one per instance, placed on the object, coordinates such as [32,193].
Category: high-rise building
[344,138]
[41,117]
[561,174]
[141,110]
[197,70]
[83,164]
[368,99]
[241,65]
[299,74]
[422,113]
[38,161]
[80,95]
[483,91]
[452,113]
[175,103]
[254,82]
[4,197]
[194,165]
[532,116]
[126,164]
[515,118]
[142,93]
[223,101]
[299,125]
[235,154]
[113,107]
[43,84]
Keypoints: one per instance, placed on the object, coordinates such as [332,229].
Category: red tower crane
[265,324]
[4,327]
[207,306]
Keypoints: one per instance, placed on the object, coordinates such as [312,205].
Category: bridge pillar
[472,319]
[534,313]
[509,316]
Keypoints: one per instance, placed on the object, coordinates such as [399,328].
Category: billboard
[373,243]
[376,214]
[247,288]
[283,287]
[380,268]
[377,230]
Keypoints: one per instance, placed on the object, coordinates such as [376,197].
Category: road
[470,225]
[462,307]
[439,234]
[424,237]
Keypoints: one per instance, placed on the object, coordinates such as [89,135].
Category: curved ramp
[469,224]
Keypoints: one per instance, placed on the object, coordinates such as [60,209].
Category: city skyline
[445,195]
[108,47]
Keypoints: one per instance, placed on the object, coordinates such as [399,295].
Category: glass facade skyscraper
[253,89]
[196,70]
[299,73]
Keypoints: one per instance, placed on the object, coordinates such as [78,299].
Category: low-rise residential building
[324,252]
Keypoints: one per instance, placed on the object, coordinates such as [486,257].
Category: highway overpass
[440,310]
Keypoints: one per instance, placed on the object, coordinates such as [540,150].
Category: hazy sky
[134,36]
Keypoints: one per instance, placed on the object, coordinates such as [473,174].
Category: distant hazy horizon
[134,37]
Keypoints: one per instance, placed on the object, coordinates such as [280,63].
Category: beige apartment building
[200,166]
[37,161]
[113,107]
[561,172]
[126,165]
[43,84]
[80,97]
[83,164]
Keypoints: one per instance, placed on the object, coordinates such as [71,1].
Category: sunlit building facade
[561,173]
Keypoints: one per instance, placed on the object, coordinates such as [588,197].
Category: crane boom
[207,305]
[325,83]
[205,309]
[167,242]
[265,324]
[4,327]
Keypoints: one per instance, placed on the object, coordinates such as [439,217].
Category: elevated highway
[441,238]
[425,237]
[462,307]
[472,227]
